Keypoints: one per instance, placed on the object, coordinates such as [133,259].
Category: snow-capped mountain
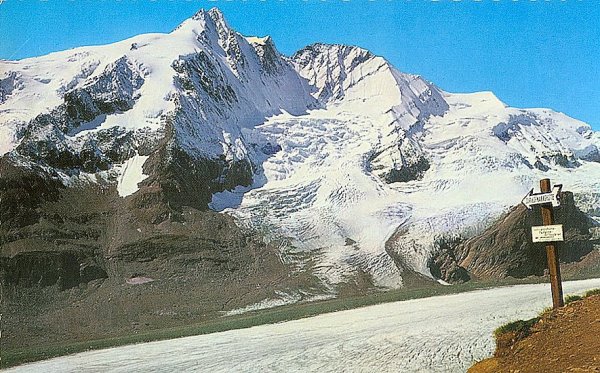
[90,109]
[358,165]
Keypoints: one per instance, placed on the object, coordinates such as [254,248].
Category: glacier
[437,334]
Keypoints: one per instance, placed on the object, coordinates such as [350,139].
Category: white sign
[540,198]
[547,233]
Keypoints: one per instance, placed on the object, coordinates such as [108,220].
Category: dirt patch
[564,340]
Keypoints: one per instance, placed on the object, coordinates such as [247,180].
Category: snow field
[320,189]
[320,193]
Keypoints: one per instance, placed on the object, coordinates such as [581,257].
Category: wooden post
[551,253]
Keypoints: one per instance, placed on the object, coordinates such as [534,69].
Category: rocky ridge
[505,249]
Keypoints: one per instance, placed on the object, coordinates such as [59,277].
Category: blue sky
[542,53]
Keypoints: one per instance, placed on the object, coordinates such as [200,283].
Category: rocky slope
[81,263]
[564,340]
[505,248]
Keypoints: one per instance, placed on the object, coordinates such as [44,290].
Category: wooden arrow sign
[552,197]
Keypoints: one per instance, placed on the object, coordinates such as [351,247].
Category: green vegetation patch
[572,298]
[589,293]
[545,312]
[522,328]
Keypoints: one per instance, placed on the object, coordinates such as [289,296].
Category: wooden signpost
[548,199]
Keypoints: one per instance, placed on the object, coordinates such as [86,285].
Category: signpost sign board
[552,197]
[547,233]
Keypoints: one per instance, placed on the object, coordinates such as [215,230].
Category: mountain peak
[211,19]
[186,118]
[333,68]
[337,49]
[214,14]
[217,17]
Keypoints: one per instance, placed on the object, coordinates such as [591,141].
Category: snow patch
[138,280]
[132,174]
[321,187]
[229,198]
[282,299]
[7,140]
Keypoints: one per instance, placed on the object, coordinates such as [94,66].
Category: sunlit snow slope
[390,153]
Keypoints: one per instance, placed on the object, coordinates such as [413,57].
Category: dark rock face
[270,149]
[411,165]
[21,193]
[199,74]
[591,154]
[411,170]
[112,91]
[443,264]
[185,181]
[42,268]
[213,248]
[505,249]
[45,240]
[506,131]
[68,257]
[540,166]
[52,236]
[562,160]
[10,82]
[86,241]
[269,57]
